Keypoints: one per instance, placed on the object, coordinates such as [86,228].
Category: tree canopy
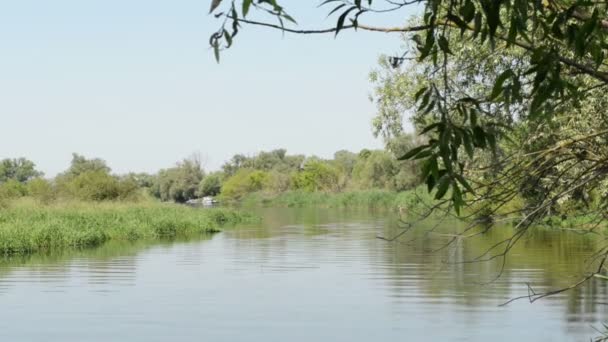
[18,169]
[561,47]
[507,96]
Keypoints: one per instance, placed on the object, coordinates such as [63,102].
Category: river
[305,275]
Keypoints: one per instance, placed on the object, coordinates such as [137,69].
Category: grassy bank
[413,200]
[26,227]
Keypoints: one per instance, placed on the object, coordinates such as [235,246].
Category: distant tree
[237,162]
[41,190]
[94,185]
[317,176]
[345,160]
[142,179]
[245,181]
[180,183]
[211,185]
[12,188]
[81,164]
[375,171]
[19,169]
[91,180]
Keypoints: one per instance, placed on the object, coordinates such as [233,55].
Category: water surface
[304,275]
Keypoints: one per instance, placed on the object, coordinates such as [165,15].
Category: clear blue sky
[135,83]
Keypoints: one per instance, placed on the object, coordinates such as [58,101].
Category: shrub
[180,183]
[93,186]
[210,185]
[41,190]
[243,182]
[316,176]
[12,189]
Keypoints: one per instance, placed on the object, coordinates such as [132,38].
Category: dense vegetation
[87,205]
[263,176]
[275,172]
[507,95]
[27,227]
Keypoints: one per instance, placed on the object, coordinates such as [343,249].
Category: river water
[305,275]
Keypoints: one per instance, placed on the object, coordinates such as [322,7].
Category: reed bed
[26,227]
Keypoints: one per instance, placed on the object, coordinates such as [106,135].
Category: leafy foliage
[18,169]
[180,183]
[560,48]
[243,182]
[211,185]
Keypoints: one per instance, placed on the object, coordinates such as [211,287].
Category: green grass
[26,227]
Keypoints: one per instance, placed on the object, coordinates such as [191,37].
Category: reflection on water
[304,275]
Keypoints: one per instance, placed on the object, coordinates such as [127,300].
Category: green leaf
[419,93]
[468,11]
[425,100]
[491,139]
[464,183]
[477,26]
[246,5]
[479,137]
[428,45]
[473,117]
[442,187]
[457,198]
[434,167]
[342,18]
[430,183]
[335,9]
[431,127]
[290,18]
[444,45]
[413,152]
[228,38]
[214,5]
[327,2]
[422,154]
[500,80]
[459,22]
[216,50]
[468,144]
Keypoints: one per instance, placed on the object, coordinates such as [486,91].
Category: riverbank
[415,200]
[26,227]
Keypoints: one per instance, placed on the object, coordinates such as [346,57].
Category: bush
[375,170]
[41,190]
[93,186]
[316,176]
[19,169]
[245,181]
[179,184]
[210,185]
[12,189]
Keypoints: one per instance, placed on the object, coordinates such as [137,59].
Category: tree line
[269,172]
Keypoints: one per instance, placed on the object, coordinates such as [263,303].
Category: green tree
[525,120]
[41,189]
[180,183]
[345,160]
[317,176]
[211,185]
[563,44]
[91,180]
[375,170]
[19,169]
[80,164]
[12,188]
[243,182]
[94,185]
